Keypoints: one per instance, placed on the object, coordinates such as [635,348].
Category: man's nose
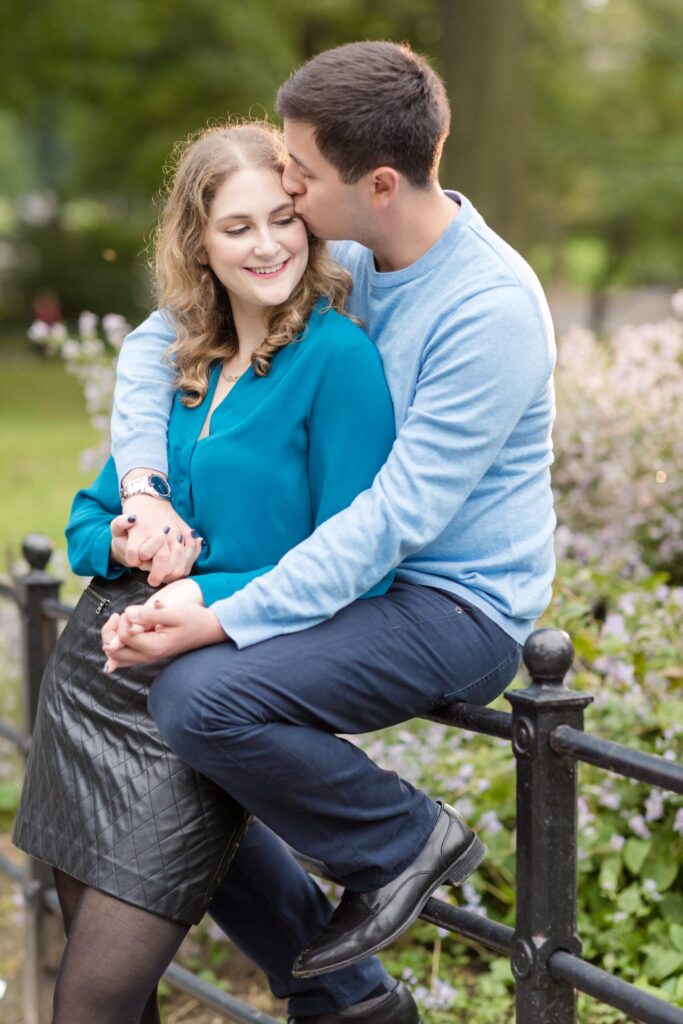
[292,181]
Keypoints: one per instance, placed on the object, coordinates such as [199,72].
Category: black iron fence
[545,728]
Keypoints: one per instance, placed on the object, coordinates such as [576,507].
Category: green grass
[43,429]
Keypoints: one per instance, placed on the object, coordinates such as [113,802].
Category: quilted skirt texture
[104,799]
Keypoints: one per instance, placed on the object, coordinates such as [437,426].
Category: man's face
[331,208]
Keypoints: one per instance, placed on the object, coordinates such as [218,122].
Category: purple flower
[637,824]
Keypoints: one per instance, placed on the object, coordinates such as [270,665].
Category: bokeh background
[566,127]
[567,135]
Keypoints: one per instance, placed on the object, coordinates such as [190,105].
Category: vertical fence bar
[43,939]
[546,830]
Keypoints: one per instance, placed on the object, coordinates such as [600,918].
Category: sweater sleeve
[350,433]
[88,532]
[143,397]
[480,371]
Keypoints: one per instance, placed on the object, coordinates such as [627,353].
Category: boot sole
[467,862]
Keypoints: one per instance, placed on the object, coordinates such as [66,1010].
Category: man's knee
[197,695]
[175,702]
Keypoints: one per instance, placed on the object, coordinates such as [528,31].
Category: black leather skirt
[104,799]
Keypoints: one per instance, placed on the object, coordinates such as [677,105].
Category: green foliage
[630,909]
[91,107]
[606,155]
[43,429]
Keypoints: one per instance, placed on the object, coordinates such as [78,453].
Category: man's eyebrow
[300,164]
[247,216]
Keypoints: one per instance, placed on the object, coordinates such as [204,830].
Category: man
[462,507]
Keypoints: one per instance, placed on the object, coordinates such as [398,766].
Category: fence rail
[545,728]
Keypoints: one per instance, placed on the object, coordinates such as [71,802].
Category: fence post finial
[548,655]
[546,830]
[37,550]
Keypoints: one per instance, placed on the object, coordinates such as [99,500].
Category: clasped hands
[152,537]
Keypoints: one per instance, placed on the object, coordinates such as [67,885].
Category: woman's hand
[151,536]
[154,632]
[120,528]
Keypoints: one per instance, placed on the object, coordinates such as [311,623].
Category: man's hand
[165,633]
[158,541]
[180,592]
[185,591]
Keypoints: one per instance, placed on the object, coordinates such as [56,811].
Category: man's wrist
[215,629]
[151,483]
[133,474]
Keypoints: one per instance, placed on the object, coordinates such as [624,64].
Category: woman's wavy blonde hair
[189,291]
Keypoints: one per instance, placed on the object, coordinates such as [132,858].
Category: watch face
[160,485]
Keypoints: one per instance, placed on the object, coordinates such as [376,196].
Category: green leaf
[629,900]
[610,872]
[672,907]
[663,962]
[635,852]
[676,933]
[662,872]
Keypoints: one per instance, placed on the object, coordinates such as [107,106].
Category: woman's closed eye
[283,222]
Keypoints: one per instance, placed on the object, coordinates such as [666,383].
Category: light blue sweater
[463,501]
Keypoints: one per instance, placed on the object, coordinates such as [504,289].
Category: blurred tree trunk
[483,62]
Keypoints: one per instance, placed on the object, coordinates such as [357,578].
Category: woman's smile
[271,271]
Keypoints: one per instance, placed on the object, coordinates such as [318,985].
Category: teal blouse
[284,453]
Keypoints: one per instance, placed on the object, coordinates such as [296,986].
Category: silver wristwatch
[154,484]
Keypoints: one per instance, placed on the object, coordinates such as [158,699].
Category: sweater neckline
[430,259]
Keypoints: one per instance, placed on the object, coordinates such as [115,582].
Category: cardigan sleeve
[143,397]
[88,532]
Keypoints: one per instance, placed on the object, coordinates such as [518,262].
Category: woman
[281,416]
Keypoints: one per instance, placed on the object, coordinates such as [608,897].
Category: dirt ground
[246,982]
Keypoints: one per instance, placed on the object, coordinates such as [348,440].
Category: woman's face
[255,244]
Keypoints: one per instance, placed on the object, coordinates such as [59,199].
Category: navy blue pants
[264,722]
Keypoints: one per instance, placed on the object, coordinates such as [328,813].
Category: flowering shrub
[630,910]
[619,449]
[619,446]
[93,361]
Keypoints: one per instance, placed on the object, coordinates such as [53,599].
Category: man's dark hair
[371,104]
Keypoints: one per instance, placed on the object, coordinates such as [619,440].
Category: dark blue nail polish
[132,519]
[193,532]
[179,538]
[167,529]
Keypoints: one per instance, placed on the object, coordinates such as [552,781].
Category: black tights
[114,956]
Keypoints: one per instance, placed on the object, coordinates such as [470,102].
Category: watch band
[153,484]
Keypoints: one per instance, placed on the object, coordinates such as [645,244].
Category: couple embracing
[328,510]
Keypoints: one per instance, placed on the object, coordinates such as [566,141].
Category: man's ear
[384,182]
